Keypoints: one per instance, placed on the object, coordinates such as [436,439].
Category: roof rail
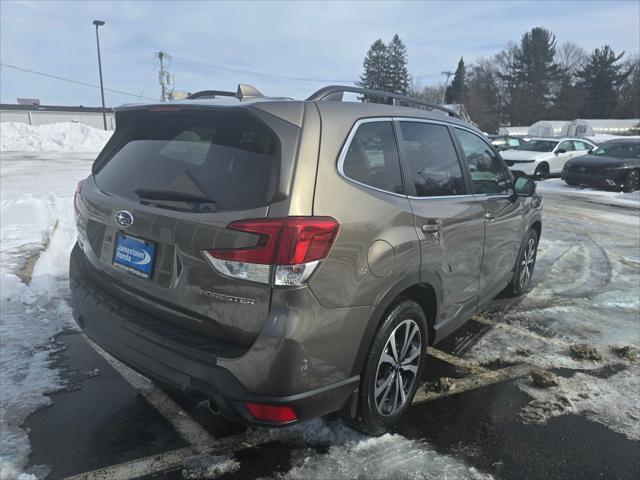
[210,94]
[244,91]
[334,93]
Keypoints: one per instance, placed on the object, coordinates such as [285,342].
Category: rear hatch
[162,194]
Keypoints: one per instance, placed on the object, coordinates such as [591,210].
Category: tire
[541,172]
[521,280]
[378,413]
[632,182]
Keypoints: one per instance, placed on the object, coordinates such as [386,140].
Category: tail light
[75,198]
[289,249]
[271,413]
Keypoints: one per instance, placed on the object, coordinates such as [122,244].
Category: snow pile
[611,401]
[51,137]
[611,197]
[36,235]
[388,456]
[329,449]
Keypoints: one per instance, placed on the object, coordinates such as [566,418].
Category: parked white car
[541,157]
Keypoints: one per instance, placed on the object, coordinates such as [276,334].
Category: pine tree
[482,95]
[398,79]
[376,70]
[456,91]
[533,71]
[600,81]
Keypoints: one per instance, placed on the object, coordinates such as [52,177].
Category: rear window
[196,161]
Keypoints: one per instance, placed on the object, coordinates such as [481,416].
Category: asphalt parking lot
[478,414]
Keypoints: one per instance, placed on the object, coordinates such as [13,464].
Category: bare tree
[571,57]
[428,93]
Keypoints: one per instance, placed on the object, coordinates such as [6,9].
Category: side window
[372,157]
[487,170]
[432,159]
[567,146]
[580,145]
[514,142]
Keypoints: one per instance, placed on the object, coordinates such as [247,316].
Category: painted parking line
[201,442]
[474,382]
[190,430]
[152,465]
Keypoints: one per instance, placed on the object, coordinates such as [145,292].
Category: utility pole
[99,23]
[448,73]
[164,76]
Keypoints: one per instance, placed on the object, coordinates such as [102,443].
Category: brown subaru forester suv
[288,259]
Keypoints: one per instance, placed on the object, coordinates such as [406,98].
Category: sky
[282,48]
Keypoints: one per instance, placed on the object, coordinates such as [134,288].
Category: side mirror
[590,150]
[524,187]
[560,150]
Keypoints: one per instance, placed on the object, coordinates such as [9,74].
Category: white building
[586,127]
[546,128]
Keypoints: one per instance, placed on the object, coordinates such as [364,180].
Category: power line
[56,77]
[153,69]
[257,73]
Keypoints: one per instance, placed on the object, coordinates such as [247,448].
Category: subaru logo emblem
[123,219]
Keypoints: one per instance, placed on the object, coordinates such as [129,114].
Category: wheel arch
[424,294]
[537,226]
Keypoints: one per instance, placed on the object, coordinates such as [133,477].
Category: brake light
[291,247]
[271,413]
[76,211]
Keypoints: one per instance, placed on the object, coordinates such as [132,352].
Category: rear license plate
[134,255]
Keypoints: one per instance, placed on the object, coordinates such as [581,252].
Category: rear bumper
[179,358]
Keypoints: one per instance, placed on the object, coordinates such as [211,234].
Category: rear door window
[372,157]
[567,146]
[488,173]
[432,159]
[230,161]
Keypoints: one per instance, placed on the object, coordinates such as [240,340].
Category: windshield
[538,146]
[619,149]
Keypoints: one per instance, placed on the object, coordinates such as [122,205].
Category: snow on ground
[37,232]
[586,291]
[611,197]
[51,137]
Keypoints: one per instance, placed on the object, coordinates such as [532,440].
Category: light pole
[99,23]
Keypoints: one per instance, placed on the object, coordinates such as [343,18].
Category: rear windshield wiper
[171,196]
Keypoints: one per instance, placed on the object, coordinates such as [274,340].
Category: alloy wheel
[541,172]
[527,263]
[398,367]
[633,181]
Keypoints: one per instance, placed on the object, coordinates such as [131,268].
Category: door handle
[431,228]
[490,216]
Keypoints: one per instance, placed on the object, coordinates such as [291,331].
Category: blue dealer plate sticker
[134,255]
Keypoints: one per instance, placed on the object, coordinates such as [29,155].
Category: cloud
[256,42]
